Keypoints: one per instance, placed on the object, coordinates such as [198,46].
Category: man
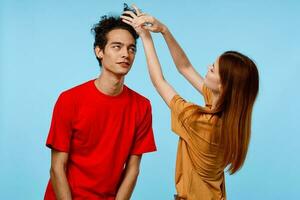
[101,128]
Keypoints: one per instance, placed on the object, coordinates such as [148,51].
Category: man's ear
[98,52]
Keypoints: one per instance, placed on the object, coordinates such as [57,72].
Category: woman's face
[212,77]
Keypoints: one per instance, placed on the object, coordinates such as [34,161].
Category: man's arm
[130,178]
[58,175]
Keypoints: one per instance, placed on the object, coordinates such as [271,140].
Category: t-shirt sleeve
[60,132]
[144,138]
[177,105]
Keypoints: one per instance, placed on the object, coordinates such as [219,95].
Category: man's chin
[119,71]
[122,73]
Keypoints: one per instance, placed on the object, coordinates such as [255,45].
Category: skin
[117,58]
[58,175]
[212,78]
[183,65]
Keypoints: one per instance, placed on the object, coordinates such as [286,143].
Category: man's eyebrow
[117,43]
[213,64]
[120,43]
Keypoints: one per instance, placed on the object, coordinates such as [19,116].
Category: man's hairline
[116,28]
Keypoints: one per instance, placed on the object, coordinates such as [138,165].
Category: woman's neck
[215,99]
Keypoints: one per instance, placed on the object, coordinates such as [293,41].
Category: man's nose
[124,53]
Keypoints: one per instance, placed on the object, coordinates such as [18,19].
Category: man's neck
[109,84]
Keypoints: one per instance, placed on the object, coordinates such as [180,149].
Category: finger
[146,18]
[139,21]
[130,13]
[149,28]
[143,14]
[148,24]
[127,22]
[137,10]
[144,21]
[126,18]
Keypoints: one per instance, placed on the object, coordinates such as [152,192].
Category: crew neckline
[99,92]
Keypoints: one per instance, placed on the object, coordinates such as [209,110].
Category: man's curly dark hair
[104,26]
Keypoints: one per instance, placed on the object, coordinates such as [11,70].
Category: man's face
[119,52]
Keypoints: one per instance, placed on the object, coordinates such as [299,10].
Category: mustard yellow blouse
[199,170]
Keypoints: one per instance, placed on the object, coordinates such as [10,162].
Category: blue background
[46,47]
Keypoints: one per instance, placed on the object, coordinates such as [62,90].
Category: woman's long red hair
[240,83]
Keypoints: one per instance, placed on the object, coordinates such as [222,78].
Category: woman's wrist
[164,30]
[144,34]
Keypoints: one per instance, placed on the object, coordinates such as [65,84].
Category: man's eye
[132,50]
[116,47]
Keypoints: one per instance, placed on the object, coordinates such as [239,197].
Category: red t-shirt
[99,132]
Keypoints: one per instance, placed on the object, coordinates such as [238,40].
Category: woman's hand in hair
[131,19]
[149,22]
[144,21]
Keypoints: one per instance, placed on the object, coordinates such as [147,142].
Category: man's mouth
[124,64]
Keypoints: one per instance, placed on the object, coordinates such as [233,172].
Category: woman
[211,137]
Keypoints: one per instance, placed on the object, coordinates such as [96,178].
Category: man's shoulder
[78,88]
[75,92]
[140,98]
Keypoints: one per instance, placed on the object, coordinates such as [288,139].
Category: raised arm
[165,90]
[180,59]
